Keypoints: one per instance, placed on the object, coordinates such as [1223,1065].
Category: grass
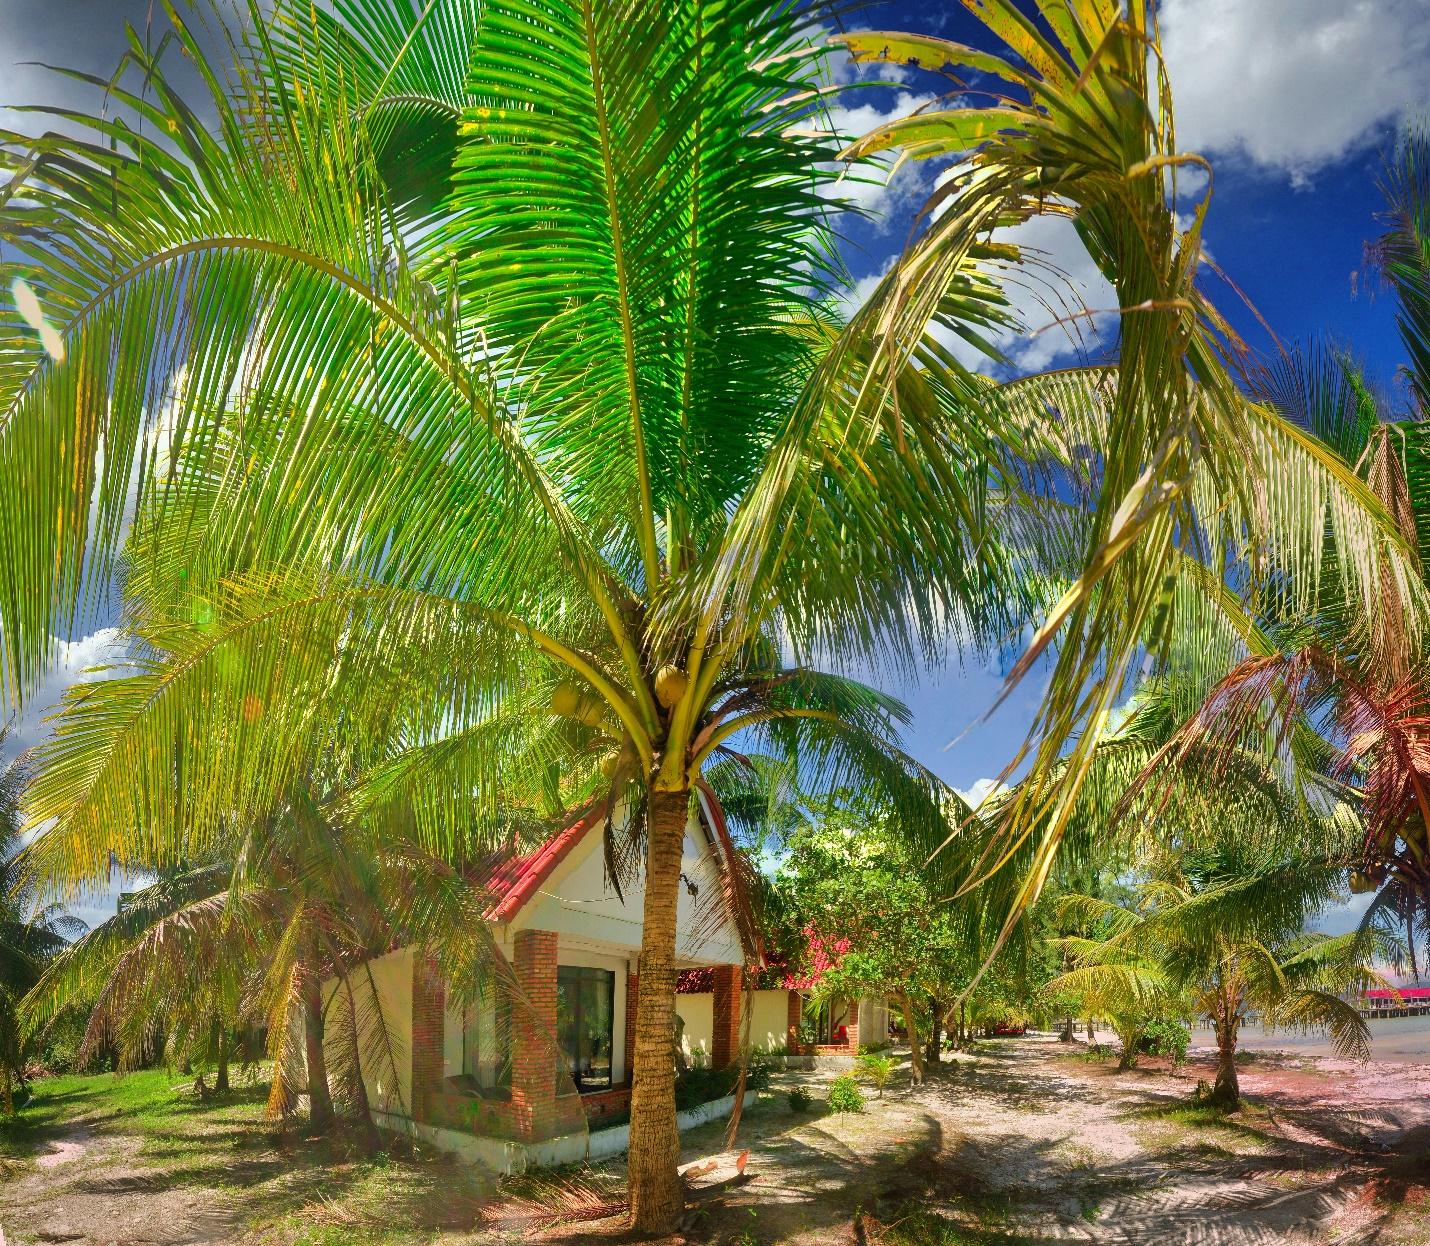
[921,1227]
[1205,1129]
[284,1188]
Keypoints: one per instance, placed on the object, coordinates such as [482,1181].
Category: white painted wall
[873,1022]
[769,1020]
[698,1013]
[577,901]
[389,1081]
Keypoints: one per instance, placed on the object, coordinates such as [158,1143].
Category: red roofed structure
[514,1079]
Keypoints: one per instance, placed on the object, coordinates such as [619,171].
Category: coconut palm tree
[490,349]
[1075,120]
[32,933]
[308,898]
[1363,708]
[1220,929]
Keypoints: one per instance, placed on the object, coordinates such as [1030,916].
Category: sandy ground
[1023,1142]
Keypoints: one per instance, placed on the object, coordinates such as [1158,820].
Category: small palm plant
[1220,932]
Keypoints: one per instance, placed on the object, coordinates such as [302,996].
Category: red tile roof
[519,878]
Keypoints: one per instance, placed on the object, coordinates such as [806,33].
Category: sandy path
[1026,1145]
[90,1188]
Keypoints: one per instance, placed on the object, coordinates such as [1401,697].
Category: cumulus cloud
[1294,84]
[980,791]
[1065,306]
[72,665]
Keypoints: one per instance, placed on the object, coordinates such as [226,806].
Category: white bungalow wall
[769,1021]
[577,902]
[389,1080]
[873,1022]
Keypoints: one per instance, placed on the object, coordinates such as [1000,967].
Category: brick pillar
[851,1026]
[725,1045]
[429,1022]
[793,1016]
[632,995]
[533,1035]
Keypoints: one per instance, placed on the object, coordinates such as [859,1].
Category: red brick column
[632,995]
[851,1027]
[793,1016]
[725,1045]
[429,1023]
[533,1035]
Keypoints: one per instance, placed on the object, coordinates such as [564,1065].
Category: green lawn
[147,1137]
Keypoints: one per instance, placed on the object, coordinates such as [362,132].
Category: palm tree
[1344,701]
[309,897]
[1220,929]
[32,933]
[490,349]
[1182,489]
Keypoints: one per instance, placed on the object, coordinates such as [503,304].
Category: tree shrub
[799,1099]
[845,1095]
[876,1070]
[1167,1038]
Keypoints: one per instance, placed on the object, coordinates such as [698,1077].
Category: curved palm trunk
[1131,1041]
[656,1194]
[935,1047]
[320,1100]
[916,1057]
[1226,1090]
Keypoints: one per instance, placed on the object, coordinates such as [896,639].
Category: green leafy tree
[857,900]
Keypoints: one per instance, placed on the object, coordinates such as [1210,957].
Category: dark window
[485,1031]
[585,1023]
[486,1043]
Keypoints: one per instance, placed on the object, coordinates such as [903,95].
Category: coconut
[592,712]
[1361,882]
[609,763]
[670,685]
[566,700]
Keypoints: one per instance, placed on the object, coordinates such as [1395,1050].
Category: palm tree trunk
[320,1100]
[1226,1090]
[916,1059]
[936,1031]
[1410,936]
[656,1195]
[220,1044]
[1069,1031]
[8,1088]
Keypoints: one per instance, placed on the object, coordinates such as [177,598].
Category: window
[486,1045]
[585,1023]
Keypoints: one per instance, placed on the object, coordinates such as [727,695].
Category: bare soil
[1023,1141]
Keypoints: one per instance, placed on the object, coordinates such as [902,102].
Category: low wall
[509,1158]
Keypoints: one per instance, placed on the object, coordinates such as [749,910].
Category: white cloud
[70,667]
[888,191]
[1294,84]
[1051,298]
[981,791]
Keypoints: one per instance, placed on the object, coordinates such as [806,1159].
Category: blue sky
[1295,102]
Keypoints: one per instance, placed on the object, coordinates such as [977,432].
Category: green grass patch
[920,1227]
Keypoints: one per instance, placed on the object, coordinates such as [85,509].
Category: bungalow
[494,1087]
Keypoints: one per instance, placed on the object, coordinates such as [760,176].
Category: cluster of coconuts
[1368,879]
